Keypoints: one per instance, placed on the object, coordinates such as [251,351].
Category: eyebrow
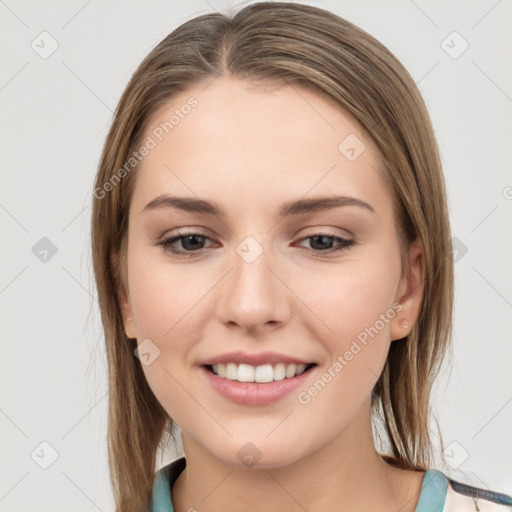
[291,208]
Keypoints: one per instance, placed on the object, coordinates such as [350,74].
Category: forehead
[243,144]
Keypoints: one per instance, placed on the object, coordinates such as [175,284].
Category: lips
[256,393]
[255,379]
[258,359]
[260,374]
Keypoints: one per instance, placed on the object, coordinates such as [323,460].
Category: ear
[123,298]
[410,293]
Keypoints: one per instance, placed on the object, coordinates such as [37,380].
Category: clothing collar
[432,495]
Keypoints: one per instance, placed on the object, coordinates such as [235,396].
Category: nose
[254,295]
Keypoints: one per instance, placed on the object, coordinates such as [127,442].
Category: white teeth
[231,371]
[221,369]
[279,371]
[263,373]
[245,373]
[301,368]
[290,370]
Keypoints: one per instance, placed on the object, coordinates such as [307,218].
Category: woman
[272,252]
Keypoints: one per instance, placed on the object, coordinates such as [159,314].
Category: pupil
[187,240]
[323,239]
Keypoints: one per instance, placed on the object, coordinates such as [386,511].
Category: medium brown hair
[280,43]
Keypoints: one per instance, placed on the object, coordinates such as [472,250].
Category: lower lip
[255,393]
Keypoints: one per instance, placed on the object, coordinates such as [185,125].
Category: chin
[258,453]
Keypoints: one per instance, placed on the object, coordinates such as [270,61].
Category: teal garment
[432,496]
[433,492]
[164,480]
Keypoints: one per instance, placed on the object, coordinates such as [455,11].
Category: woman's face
[263,282]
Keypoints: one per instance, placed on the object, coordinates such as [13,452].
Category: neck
[347,471]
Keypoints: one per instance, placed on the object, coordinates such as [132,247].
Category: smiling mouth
[259,374]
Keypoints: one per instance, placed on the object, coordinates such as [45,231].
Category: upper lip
[259,359]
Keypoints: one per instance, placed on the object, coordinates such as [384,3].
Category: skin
[250,149]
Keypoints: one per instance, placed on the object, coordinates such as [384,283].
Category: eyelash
[166,244]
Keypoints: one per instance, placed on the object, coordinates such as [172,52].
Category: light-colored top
[438,493]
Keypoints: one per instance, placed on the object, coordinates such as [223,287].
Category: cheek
[358,309]
[353,296]
[165,297]
[172,306]
[355,305]
[168,310]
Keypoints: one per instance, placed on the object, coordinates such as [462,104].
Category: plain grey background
[64,66]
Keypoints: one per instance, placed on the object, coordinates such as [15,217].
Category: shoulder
[462,497]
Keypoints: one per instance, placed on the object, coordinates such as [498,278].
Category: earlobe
[410,293]
[129,324]
[403,324]
[124,303]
